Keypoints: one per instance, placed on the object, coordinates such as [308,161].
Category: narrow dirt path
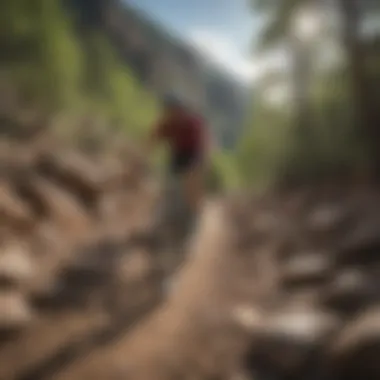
[194,330]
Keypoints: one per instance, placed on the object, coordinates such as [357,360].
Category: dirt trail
[189,326]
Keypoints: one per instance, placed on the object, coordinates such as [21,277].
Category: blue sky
[221,29]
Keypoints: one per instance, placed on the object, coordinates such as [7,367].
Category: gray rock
[288,337]
[306,270]
[350,291]
[362,246]
[326,218]
[356,352]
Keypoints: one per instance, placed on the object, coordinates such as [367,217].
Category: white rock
[303,324]
[16,263]
[14,311]
[247,317]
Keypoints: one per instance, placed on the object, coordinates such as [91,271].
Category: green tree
[324,134]
[281,20]
[366,104]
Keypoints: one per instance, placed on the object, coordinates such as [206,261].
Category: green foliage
[280,142]
[62,63]
[119,94]
[274,148]
[223,173]
[261,150]
[53,60]
[279,16]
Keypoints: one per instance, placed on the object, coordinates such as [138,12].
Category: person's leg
[193,185]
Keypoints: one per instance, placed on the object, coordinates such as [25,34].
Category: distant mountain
[163,63]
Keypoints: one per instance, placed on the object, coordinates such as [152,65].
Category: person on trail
[186,136]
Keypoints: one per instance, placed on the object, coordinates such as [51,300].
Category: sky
[222,30]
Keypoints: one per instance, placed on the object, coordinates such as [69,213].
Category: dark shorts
[182,162]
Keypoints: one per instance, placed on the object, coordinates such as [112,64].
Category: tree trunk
[366,111]
[301,85]
[301,80]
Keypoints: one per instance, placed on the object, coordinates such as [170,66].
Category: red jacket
[188,135]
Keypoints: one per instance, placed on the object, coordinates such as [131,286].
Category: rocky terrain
[281,286]
[289,290]
[65,224]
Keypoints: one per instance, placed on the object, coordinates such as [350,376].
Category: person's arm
[154,137]
[145,150]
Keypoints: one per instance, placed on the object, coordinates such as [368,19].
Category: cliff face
[164,63]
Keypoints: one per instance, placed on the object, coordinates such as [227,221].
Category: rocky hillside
[65,223]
